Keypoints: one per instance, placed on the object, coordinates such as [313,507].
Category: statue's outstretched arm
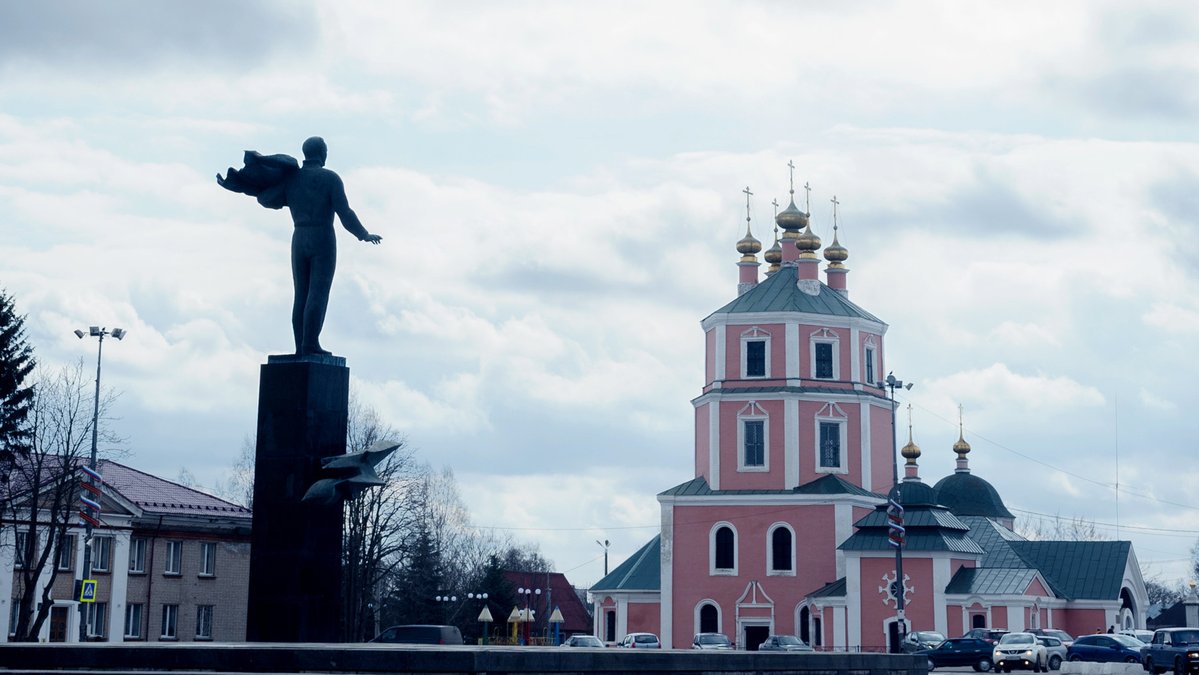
[349,219]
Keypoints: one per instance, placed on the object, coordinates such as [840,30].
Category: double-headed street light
[895,514]
[100,333]
[528,593]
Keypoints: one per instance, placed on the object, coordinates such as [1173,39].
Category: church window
[830,445]
[755,353]
[723,550]
[824,354]
[782,550]
[755,443]
[824,360]
[870,366]
[709,619]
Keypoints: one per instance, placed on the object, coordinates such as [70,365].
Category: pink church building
[783,528]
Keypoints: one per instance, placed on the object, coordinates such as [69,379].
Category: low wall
[291,658]
[1084,668]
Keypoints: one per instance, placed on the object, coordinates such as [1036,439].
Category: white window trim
[68,549]
[755,334]
[770,571]
[178,545]
[128,616]
[96,548]
[97,612]
[211,620]
[135,558]
[173,624]
[870,360]
[206,546]
[825,336]
[753,412]
[719,614]
[833,414]
[713,570]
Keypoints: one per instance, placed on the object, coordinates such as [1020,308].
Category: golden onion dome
[748,247]
[774,254]
[911,451]
[807,242]
[791,218]
[835,253]
[961,447]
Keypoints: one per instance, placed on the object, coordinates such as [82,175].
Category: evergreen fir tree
[16,397]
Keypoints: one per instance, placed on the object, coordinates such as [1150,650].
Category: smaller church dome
[807,242]
[748,246]
[916,493]
[774,254]
[911,451]
[965,494]
[961,447]
[835,253]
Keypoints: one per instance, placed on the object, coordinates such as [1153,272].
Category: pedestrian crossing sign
[87,592]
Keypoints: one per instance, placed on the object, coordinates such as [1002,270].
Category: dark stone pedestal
[295,559]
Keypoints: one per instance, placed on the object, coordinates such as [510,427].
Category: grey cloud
[1139,90]
[134,34]
[1177,198]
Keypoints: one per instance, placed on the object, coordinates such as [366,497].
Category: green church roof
[1078,570]
[780,293]
[827,484]
[641,572]
[990,580]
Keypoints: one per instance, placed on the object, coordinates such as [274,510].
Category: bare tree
[45,486]
[1057,528]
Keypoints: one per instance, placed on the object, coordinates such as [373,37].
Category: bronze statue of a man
[313,194]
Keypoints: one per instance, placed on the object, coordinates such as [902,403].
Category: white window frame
[699,606]
[101,553]
[68,552]
[207,559]
[755,334]
[870,363]
[174,558]
[755,413]
[97,615]
[770,570]
[203,626]
[713,570]
[21,547]
[831,413]
[170,623]
[133,619]
[825,336]
[137,555]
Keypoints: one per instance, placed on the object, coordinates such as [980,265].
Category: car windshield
[1127,641]
[1017,639]
[929,636]
[1185,636]
[788,640]
[647,638]
[713,640]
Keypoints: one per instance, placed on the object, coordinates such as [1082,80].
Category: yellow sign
[87,592]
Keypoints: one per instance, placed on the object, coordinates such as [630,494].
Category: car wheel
[1055,662]
[1075,658]
[983,665]
[931,665]
[1132,659]
[1179,667]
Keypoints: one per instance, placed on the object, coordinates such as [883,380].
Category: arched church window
[709,619]
[782,550]
[724,550]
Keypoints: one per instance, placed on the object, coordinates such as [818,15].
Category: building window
[22,549]
[14,616]
[870,366]
[133,621]
[830,445]
[170,622]
[207,559]
[174,563]
[66,553]
[204,622]
[709,619]
[754,442]
[97,615]
[723,550]
[782,551]
[101,553]
[137,555]
[755,353]
[824,361]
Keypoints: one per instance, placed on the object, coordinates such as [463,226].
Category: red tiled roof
[574,613]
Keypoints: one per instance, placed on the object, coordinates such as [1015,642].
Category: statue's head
[316,150]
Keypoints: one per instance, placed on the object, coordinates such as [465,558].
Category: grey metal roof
[828,484]
[915,540]
[968,495]
[779,293]
[915,518]
[641,572]
[1078,570]
[158,496]
[990,580]
[833,589]
[996,540]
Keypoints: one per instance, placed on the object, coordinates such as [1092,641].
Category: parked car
[991,635]
[1172,648]
[963,651]
[1020,650]
[640,641]
[1055,649]
[784,643]
[1066,638]
[424,634]
[1105,647]
[582,640]
[1145,636]
[711,641]
[919,640]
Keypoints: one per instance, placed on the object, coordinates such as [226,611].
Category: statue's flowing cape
[264,177]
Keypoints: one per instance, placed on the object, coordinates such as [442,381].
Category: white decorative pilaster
[790,443]
[119,586]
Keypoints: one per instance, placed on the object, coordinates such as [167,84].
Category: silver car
[640,641]
[711,641]
[784,643]
[1055,649]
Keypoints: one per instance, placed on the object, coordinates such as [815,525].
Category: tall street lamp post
[605,544]
[528,593]
[93,514]
[895,516]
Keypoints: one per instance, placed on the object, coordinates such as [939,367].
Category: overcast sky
[558,187]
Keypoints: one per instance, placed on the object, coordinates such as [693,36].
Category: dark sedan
[973,652]
[1105,648]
